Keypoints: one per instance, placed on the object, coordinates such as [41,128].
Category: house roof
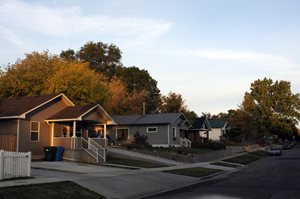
[217,123]
[72,112]
[161,118]
[199,122]
[17,107]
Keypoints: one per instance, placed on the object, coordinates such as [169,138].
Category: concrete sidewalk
[115,182]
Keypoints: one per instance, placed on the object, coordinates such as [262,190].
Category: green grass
[248,158]
[194,172]
[223,164]
[259,153]
[57,190]
[134,163]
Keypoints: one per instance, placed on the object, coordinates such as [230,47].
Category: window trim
[122,129]
[153,128]
[38,131]
[174,132]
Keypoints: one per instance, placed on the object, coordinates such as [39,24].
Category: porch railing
[184,142]
[79,143]
[101,150]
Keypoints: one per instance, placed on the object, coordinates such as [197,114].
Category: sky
[209,51]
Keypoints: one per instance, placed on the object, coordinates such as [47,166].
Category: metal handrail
[92,148]
[95,144]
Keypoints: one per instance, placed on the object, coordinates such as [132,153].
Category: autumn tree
[28,76]
[121,102]
[79,83]
[43,73]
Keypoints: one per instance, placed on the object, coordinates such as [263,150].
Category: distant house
[163,129]
[200,129]
[31,123]
[218,129]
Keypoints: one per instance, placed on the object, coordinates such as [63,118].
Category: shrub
[209,145]
[139,142]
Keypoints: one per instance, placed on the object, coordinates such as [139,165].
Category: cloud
[10,36]
[247,58]
[55,21]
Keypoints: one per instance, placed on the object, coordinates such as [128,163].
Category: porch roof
[76,113]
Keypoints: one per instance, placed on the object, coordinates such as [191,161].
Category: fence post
[1,164]
[29,165]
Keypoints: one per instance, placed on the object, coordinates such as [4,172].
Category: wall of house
[159,138]
[39,115]
[95,116]
[215,134]
[8,127]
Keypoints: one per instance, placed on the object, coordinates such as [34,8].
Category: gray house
[163,129]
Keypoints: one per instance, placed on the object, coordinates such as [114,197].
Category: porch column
[74,135]
[104,136]
[52,134]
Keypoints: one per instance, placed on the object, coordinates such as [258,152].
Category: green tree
[68,54]
[101,57]
[137,80]
[173,103]
[271,107]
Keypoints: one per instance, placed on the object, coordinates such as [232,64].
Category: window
[34,131]
[151,129]
[122,134]
[174,135]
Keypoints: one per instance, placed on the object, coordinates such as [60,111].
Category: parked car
[274,150]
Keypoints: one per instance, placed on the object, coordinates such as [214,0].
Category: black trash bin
[59,153]
[50,152]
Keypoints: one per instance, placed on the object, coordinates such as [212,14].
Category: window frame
[152,127]
[174,132]
[34,131]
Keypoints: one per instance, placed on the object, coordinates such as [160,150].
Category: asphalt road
[271,177]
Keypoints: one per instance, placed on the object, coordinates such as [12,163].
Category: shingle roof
[198,123]
[72,112]
[217,123]
[17,106]
[161,118]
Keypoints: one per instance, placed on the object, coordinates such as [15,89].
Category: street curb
[198,181]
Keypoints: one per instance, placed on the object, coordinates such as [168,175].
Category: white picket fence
[14,164]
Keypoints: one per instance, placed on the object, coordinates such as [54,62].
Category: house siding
[95,116]
[39,115]
[8,127]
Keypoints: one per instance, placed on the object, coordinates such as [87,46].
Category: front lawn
[248,158]
[194,172]
[132,162]
[224,164]
[57,190]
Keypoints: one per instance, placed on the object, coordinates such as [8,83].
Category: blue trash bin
[59,153]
